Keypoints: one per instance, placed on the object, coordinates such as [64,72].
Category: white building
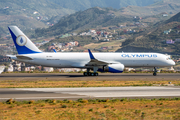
[48,69]
[2,69]
[10,68]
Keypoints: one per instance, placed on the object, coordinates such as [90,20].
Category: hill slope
[83,20]
[101,17]
[154,38]
[85,4]
[41,11]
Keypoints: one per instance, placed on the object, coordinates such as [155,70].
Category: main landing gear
[91,73]
[155,71]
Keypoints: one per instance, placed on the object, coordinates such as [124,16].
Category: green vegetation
[91,82]
[83,40]
[138,108]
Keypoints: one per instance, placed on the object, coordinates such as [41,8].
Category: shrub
[116,100]
[137,111]
[53,101]
[65,100]
[64,106]
[84,101]
[91,100]
[79,105]
[91,110]
[37,112]
[10,101]
[42,105]
[11,106]
[31,101]
[80,99]
[70,101]
[106,106]
[143,115]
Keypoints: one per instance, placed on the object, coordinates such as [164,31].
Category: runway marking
[45,97]
[91,92]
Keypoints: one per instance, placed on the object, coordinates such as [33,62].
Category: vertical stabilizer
[23,44]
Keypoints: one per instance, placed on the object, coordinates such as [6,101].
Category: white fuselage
[79,60]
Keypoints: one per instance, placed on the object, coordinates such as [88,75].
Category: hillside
[166,6]
[90,18]
[103,17]
[154,38]
[85,4]
[44,13]
[29,14]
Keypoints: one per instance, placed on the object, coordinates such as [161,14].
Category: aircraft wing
[22,57]
[96,62]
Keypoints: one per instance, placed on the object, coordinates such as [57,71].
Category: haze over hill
[93,17]
[38,14]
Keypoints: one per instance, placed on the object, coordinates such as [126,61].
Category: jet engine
[114,68]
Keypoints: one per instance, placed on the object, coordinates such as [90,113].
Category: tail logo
[21,40]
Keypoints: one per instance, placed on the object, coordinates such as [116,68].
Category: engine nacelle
[114,68]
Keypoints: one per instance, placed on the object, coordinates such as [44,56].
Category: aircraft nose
[173,63]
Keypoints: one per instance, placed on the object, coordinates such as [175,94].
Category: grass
[115,43]
[75,83]
[93,109]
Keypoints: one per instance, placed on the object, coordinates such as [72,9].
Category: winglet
[90,54]
[54,50]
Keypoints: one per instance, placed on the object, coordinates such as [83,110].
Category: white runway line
[113,91]
[27,98]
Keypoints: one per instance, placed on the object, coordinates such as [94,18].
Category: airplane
[103,61]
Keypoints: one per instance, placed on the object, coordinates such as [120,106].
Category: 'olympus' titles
[139,55]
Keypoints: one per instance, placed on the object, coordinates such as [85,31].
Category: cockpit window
[169,58]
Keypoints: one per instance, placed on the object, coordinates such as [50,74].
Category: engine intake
[114,68]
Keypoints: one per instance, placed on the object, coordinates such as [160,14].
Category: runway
[79,76]
[88,93]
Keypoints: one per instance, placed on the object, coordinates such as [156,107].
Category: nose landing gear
[155,71]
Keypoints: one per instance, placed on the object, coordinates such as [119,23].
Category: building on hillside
[178,27]
[10,68]
[177,40]
[71,70]
[74,34]
[171,68]
[167,31]
[92,31]
[165,15]
[170,41]
[2,69]
[51,48]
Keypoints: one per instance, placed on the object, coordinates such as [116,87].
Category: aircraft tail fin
[23,44]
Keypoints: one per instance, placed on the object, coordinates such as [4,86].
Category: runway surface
[96,92]
[79,76]
[88,93]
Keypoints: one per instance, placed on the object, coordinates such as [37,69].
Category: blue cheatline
[112,70]
[21,49]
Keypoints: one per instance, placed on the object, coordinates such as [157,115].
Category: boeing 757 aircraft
[103,62]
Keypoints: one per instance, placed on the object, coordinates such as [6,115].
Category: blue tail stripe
[21,49]
[90,54]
